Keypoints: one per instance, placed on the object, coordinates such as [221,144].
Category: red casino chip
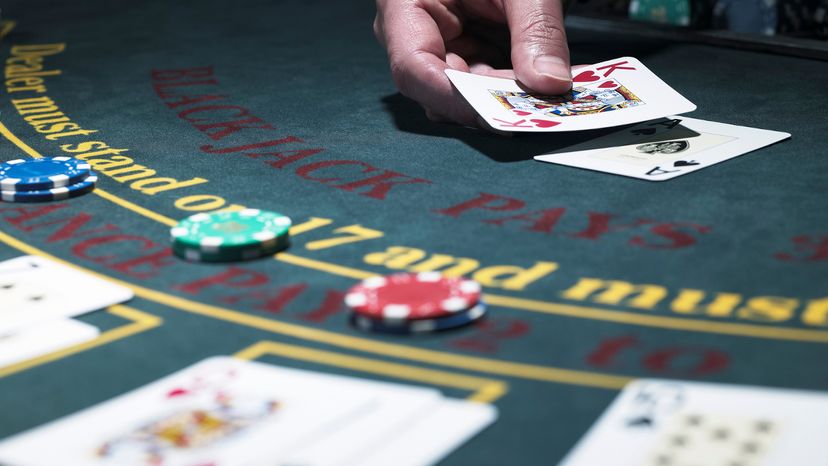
[410,296]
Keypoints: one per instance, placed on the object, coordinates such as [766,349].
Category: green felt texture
[312,70]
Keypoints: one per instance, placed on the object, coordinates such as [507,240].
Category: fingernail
[553,67]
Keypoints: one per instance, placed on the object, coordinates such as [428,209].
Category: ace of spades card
[665,148]
[612,93]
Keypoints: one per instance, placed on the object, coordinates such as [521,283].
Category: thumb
[540,56]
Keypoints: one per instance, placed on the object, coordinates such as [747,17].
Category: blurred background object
[789,27]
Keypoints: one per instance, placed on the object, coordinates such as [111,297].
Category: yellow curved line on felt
[491,366]
[545,307]
[141,321]
[6,27]
[484,390]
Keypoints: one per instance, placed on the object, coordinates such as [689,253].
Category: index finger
[417,52]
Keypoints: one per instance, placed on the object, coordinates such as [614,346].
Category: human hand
[425,37]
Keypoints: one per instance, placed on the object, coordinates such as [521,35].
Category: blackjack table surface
[591,280]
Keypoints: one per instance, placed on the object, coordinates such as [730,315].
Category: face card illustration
[35,289]
[664,149]
[581,100]
[196,425]
[612,93]
[221,411]
[672,423]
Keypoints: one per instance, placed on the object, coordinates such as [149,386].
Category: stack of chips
[230,236]
[407,303]
[45,179]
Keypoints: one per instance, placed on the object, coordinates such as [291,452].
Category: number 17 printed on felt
[612,93]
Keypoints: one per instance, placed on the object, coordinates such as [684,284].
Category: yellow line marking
[334,269]
[485,390]
[493,366]
[6,27]
[18,142]
[141,321]
[545,307]
[672,323]
[135,208]
[100,192]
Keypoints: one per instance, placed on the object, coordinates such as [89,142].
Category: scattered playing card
[44,338]
[229,412]
[432,437]
[392,410]
[34,289]
[612,93]
[663,149]
[688,437]
[674,423]
[221,411]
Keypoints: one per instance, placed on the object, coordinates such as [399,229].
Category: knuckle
[401,76]
[542,27]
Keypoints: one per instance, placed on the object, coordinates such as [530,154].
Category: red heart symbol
[544,123]
[608,85]
[586,76]
[521,112]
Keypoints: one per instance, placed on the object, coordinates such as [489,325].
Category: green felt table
[591,279]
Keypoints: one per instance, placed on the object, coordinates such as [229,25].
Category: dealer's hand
[424,37]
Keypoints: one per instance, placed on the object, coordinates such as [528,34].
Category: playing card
[44,338]
[429,439]
[672,423]
[220,412]
[612,93]
[665,148]
[689,436]
[393,408]
[34,289]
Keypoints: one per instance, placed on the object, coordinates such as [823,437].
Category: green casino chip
[232,255]
[230,236]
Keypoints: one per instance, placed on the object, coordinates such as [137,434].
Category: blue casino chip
[42,174]
[54,194]
[419,326]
